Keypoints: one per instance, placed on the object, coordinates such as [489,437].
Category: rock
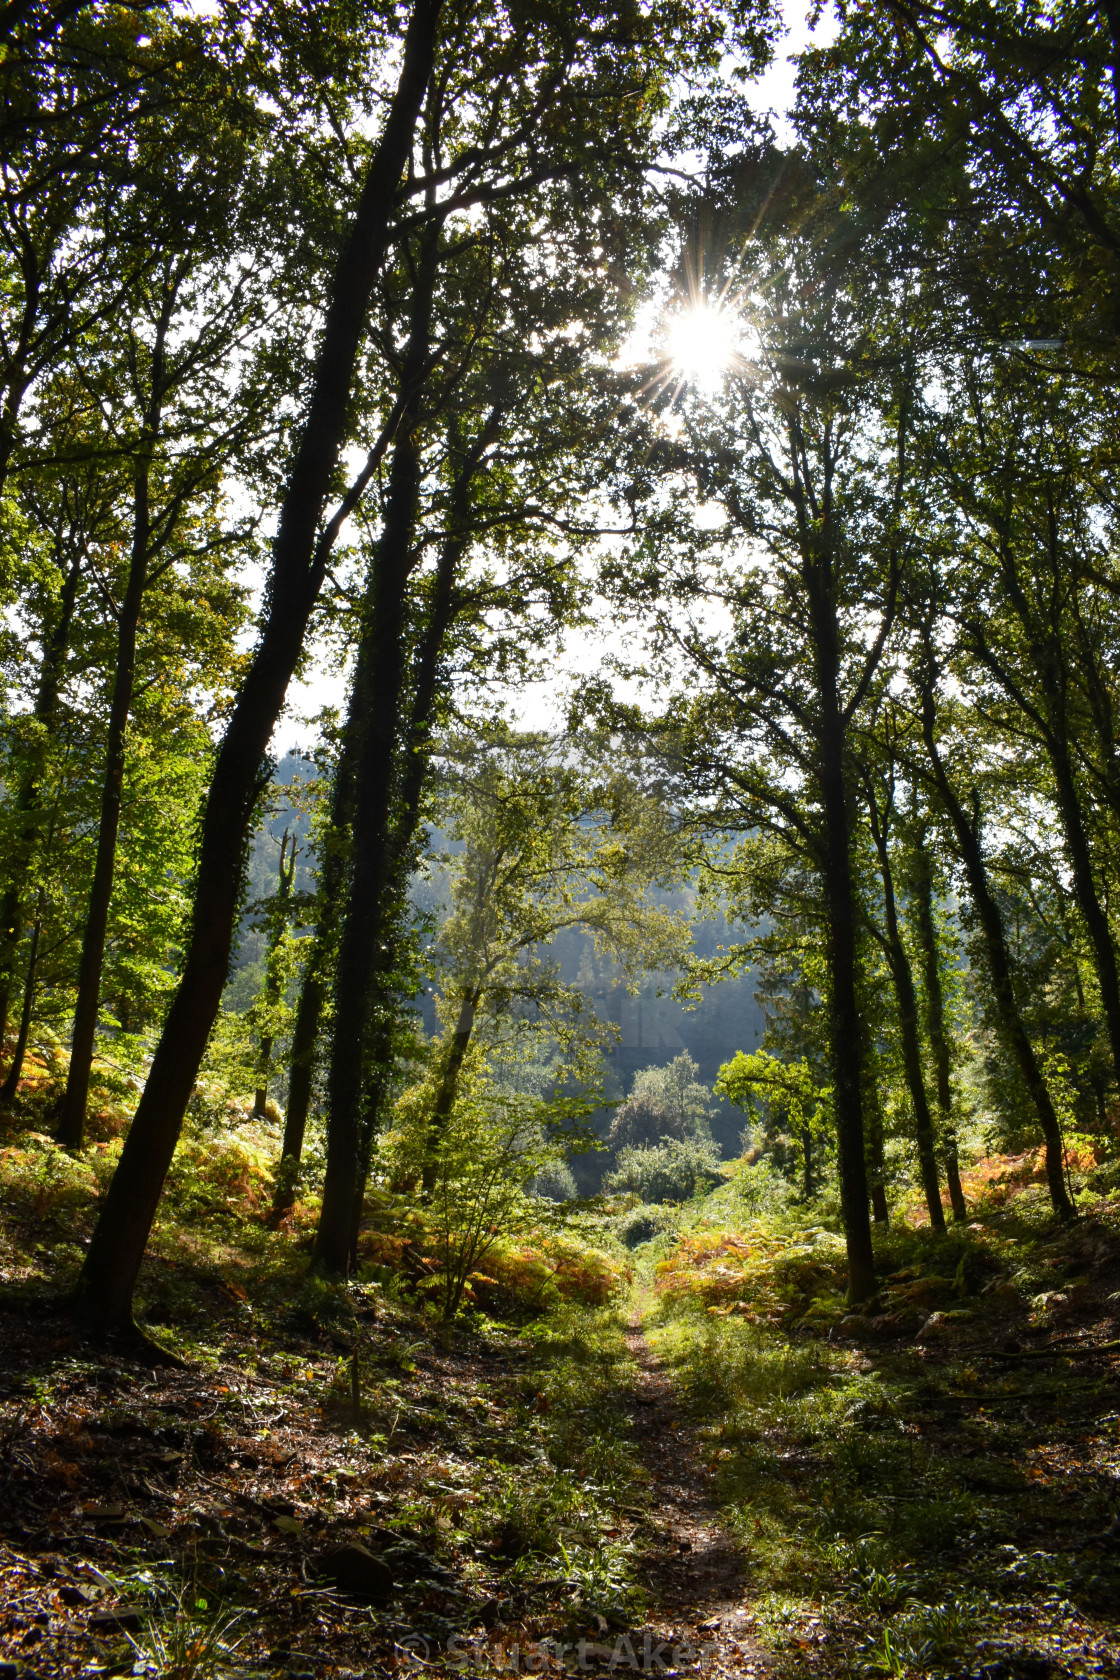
[124,1619]
[72,1593]
[410,1562]
[356,1571]
[105,1513]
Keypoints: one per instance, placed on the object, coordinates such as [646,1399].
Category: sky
[542,704]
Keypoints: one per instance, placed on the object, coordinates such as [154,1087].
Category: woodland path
[698,1585]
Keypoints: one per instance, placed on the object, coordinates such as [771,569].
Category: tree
[175,430]
[664,1102]
[920,880]
[274,974]
[504,432]
[544,848]
[967,834]
[880,793]
[807,454]
[783,1096]
[103,1298]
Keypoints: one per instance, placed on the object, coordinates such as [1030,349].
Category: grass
[910,1502]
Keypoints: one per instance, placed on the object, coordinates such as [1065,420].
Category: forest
[559,838]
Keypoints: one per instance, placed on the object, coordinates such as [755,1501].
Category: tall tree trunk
[313,992]
[1085,892]
[27,798]
[103,1298]
[388,798]
[876,1161]
[417,756]
[273,985]
[412,781]
[1014,1033]
[448,1087]
[359,1040]
[936,1027]
[72,1121]
[1051,719]
[11,1083]
[902,978]
[844,1026]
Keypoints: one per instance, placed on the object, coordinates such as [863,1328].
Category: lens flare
[704,342]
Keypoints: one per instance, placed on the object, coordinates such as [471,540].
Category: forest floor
[676,1487]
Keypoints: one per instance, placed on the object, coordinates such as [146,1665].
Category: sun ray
[704,342]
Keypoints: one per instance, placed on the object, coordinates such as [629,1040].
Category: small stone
[72,1593]
[356,1571]
[124,1619]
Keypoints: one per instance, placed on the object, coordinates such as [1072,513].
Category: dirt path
[698,1585]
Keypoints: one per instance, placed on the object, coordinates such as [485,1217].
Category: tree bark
[1051,719]
[906,1001]
[400,768]
[880,1211]
[936,1028]
[1085,892]
[11,1084]
[999,967]
[314,986]
[27,799]
[379,684]
[104,1294]
[845,1036]
[272,984]
[72,1121]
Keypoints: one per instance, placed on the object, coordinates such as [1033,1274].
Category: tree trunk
[313,989]
[845,1038]
[72,1121]
[272,983]
[999,966]
[448,1088]
[103,1299]
[879,1209]
[11,1084]
[808,1183]
[1051,719]
[27,799]
[906,1000]
[1085,892]
[417,756]
[936,1028]
[379,684]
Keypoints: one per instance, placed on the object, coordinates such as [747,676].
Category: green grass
[910,1509]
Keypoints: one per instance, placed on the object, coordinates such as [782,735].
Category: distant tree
[781,1098]
[671,1171]
[664,1102]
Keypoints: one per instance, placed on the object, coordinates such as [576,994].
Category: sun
[704,342]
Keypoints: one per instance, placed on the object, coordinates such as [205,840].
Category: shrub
[664,1102]
[644,1222]
[671,1171]
[44,1178]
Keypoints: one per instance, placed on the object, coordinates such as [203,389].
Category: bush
[556,1183]
[527,1278]
[671,1171]
[664,1102]
[646,1221]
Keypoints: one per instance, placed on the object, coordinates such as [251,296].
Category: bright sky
[542,705]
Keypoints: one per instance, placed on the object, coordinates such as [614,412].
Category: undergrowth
[915,1493]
